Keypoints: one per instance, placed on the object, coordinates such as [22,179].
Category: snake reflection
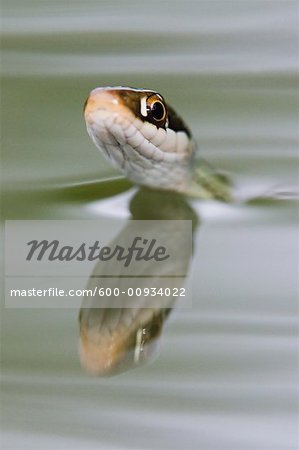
[119,338]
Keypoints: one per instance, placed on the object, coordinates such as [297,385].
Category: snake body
[148,141]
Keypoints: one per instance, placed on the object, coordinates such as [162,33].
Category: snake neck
[206,183]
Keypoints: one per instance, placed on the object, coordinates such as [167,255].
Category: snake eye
[158,111]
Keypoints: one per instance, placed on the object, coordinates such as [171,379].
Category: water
[226,372]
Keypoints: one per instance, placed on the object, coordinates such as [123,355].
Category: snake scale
[149,142]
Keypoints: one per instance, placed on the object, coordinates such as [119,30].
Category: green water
[226,373]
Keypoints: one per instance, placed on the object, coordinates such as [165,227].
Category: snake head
[141,135]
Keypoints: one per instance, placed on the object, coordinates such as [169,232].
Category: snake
[122,333]
[145,138]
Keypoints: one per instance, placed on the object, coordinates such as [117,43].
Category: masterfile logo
[48,257]
[140,250]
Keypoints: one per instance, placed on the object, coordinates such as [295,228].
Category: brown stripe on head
[147,105]
[176,123]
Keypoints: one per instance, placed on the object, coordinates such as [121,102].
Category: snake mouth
[105,110]
[106,118]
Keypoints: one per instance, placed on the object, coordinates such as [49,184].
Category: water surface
[226,371]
